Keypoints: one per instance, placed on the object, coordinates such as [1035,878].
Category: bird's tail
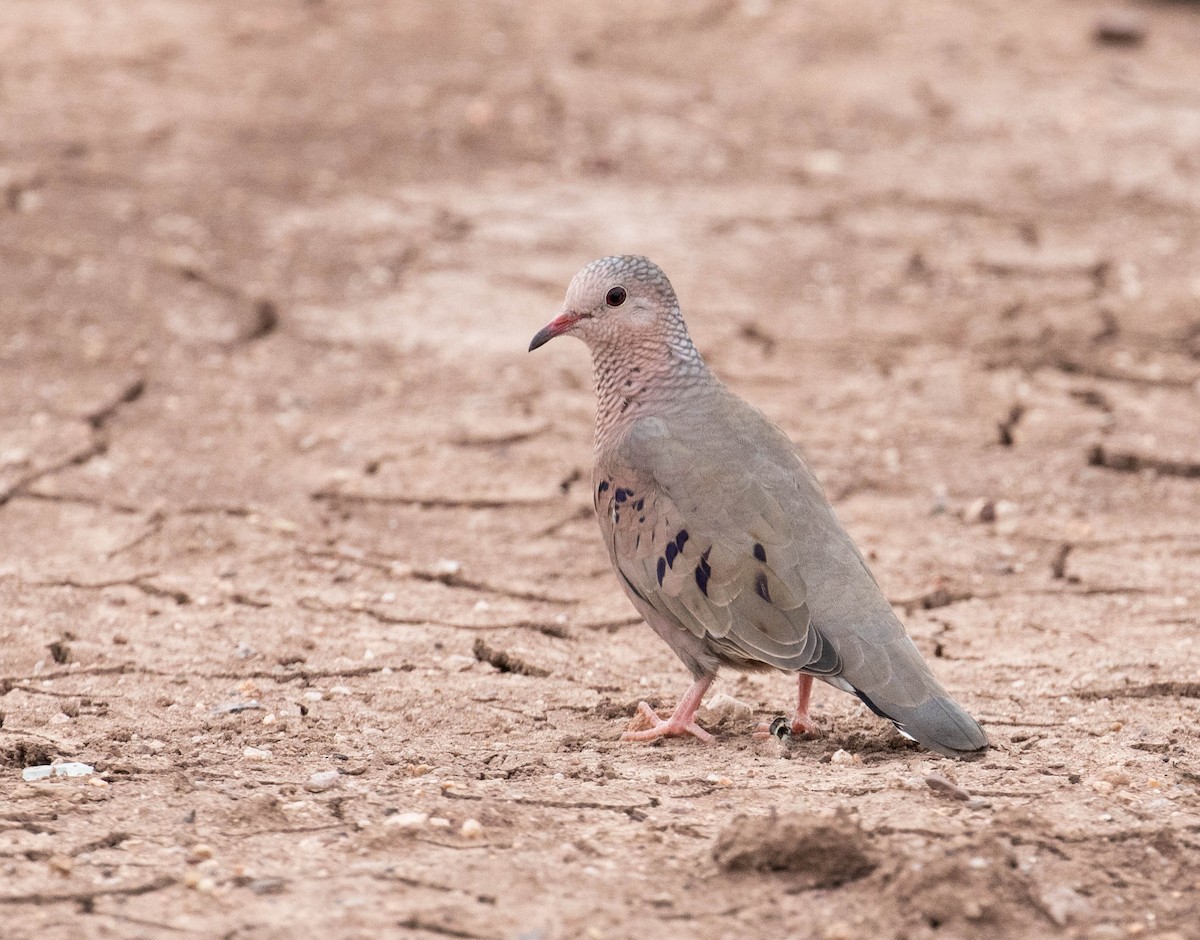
[938,723]
[901,688]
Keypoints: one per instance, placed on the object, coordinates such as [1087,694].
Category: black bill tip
[543,336]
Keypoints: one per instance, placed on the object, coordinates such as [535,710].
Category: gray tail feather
[939,723]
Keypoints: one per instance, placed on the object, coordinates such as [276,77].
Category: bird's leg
[683,721]
[803,723]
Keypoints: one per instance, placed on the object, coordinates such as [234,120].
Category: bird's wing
[708,545]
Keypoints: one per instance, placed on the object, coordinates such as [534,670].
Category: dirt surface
[295,538]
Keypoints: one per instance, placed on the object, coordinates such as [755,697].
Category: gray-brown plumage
[718,530]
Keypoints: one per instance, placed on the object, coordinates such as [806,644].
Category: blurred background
[268,431]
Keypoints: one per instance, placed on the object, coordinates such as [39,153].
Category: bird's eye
[615,297]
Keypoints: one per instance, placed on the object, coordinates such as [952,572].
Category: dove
[720,533]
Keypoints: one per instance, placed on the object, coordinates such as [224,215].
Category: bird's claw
[664,728]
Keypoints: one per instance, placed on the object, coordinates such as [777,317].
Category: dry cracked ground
[295,538]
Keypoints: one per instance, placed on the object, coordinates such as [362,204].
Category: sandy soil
[278,479]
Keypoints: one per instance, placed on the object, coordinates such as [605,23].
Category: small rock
[844,757]
[61,864]
[982,510]
[719,780]
[722,706]
[1120,28]
[68,769]
[1063,905]
[947,788]
[267,886]
[73,769]
[233,708]
[472,829]
[439,822]
[200,853]
[406,820]
[257,753]
[322,780]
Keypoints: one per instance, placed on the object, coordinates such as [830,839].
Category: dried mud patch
[824,851]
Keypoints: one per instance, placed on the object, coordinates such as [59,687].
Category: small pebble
[982,510]
[439,822]
[1120,28]
[723,705]
[257,753]
[406,820]
[472,829]
[267,885]
[844,757]
[719,780]
[947,788]
[199,853]
[322,780]
[61,864]
[236,707]
[68,769]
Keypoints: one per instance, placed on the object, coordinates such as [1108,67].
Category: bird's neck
[636,376]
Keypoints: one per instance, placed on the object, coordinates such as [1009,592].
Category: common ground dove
[720,533]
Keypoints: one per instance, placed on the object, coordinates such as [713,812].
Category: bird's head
[614,299]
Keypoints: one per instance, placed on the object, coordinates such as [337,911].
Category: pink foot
[683,721]
[672,727]
[802,723]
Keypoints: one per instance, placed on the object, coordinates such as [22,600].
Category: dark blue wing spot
[759,552]
[638,505]
[681,538]
[662,570]
[703,572]
[602,487]
[641,518]
[760,587]
[621,494]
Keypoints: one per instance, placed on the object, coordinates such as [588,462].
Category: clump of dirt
[823,851]
[26,753]
[967,889]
